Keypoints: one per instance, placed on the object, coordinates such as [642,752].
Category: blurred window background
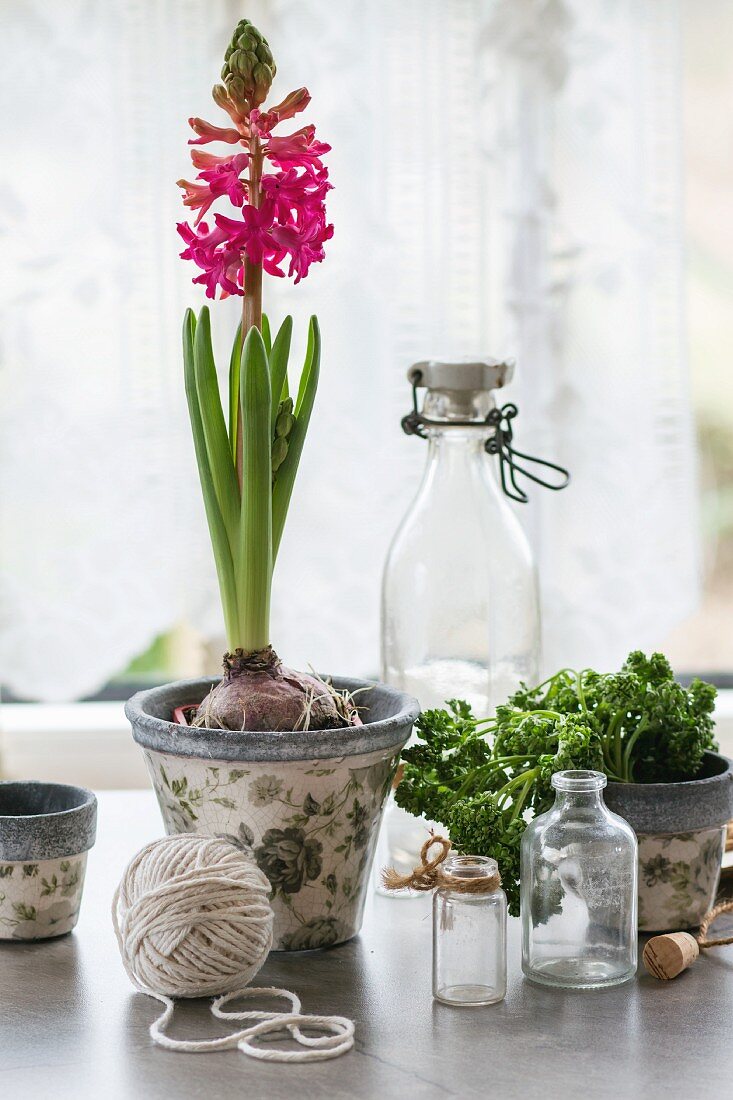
[704,641]
[541,179]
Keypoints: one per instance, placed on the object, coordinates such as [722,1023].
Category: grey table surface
[72,1026]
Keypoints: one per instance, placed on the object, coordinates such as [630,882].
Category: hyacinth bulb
[249,68]
[259,693]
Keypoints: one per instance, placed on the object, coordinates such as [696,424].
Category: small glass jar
[578,889]
[469,937]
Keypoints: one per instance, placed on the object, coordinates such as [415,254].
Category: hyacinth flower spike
[258,206]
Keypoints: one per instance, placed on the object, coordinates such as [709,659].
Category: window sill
[91,744]
[85,743]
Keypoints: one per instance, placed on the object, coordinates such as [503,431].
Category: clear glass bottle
[469,937]
[460,615]
[460,604]
[578,889]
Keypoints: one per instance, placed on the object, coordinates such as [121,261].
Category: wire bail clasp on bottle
[499,443]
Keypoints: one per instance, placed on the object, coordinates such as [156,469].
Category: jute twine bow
[430,875]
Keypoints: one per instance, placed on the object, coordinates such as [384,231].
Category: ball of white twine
[193,918]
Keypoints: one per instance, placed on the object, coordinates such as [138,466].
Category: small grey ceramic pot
[46,830]
[305,806]
[681,832]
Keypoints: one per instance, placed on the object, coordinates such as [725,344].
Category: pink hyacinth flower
[224,272]
[296,150]
[220,263]
[262,122]
[253,236]
[200,158]
[197,196]
[207,132]
[304,244]
[295,191]
[284,220]
[222,179]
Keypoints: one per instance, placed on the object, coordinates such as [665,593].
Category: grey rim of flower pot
[684,807]
[388,716]
[45,820]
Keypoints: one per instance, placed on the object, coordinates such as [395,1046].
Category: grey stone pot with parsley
[681,832]
[305,806]
[484,778]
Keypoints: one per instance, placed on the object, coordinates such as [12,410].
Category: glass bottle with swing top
[460,602]
[460,608]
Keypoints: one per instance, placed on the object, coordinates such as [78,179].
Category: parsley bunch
[484,778]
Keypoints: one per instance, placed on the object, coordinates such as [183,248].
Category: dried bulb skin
[258,693]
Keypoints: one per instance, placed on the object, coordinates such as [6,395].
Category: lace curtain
[507,181]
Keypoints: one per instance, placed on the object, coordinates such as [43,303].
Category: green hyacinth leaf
[308,385]
[279,366]
[266,337]
[221,464]
[283,487]
[217,530]
[234,362]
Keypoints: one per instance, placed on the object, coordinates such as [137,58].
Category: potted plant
[46,832]
[681,829]
[293,767]
[652,737]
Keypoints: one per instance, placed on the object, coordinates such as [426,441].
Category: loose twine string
[708,920]
[430,875]
[192,918]
[320,1047]
[669,954]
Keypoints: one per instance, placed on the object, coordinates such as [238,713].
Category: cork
[667,956]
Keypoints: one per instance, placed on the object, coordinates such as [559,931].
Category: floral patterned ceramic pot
[46,830]
[681,832]
[305,806]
